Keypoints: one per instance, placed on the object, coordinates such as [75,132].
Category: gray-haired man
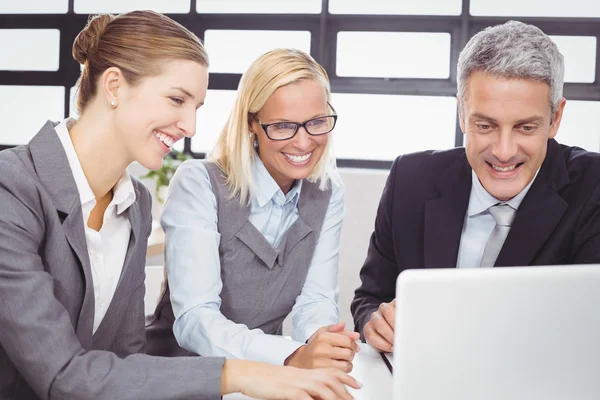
[513,196]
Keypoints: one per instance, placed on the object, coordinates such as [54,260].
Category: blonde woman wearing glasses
[253,233]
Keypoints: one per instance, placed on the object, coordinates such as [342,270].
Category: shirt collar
[481,200]
[123,191]
[268,190]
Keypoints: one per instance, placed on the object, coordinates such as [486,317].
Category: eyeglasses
[287,130]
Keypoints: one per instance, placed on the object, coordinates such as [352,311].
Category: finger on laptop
[375,339]
[382,326]
[388,310]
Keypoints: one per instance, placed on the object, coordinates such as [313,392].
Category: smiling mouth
[166,139]
[509,168]
[298,159]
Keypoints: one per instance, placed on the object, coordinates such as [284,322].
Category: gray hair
[513,50]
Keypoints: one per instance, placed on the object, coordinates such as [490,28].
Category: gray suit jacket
[47,349]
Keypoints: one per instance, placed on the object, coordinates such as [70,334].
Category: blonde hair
[234,152]
[137,42]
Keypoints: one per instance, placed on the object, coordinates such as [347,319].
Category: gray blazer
[47,349]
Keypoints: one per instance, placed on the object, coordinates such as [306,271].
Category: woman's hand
[329,347]
[272,382]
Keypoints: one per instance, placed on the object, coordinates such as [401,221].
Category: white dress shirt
[479,223]
[108,247]
[193,266]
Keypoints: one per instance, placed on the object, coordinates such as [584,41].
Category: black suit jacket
[422,210]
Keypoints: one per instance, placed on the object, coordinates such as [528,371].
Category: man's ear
[557,118]
[461,119]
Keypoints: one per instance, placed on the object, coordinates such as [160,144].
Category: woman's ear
[112,83]
[252,123]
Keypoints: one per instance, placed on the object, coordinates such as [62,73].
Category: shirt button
[95,257]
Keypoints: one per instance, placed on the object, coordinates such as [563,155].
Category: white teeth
[298,159]
[504,169]
[166,139]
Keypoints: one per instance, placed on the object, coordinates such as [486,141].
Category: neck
[100,152]
[286,187]
[285,183]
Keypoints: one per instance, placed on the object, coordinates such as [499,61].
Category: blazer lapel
[444,216]
[53,170]
[539,213]
[75,234]
[294,235]
[312,207]
[135,220]
[134,216]
[252,238]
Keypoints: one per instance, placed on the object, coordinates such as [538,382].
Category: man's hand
[329,347]
[379,331]
[272,382]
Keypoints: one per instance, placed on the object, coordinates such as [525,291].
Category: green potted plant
[163,176]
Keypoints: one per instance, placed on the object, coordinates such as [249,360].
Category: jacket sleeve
[38,336]
[587,238]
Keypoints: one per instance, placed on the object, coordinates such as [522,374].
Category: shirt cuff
[271,349]
[306,332]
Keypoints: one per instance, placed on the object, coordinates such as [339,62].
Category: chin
[504,194]
[297,173]
[152,164]
[504,197]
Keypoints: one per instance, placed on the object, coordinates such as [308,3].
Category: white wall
[363,190]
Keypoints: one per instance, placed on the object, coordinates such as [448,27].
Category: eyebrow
[529,120]
[182,90]
[482,116]
[535,118]
[287,120]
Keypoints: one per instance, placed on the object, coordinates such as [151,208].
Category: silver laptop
[520,333]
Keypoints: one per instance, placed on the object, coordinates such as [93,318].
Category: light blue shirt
[479,223]
[189,220]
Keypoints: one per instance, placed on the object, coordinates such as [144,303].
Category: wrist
[233,371]
[292,359]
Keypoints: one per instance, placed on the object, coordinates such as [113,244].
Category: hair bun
[87,40]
